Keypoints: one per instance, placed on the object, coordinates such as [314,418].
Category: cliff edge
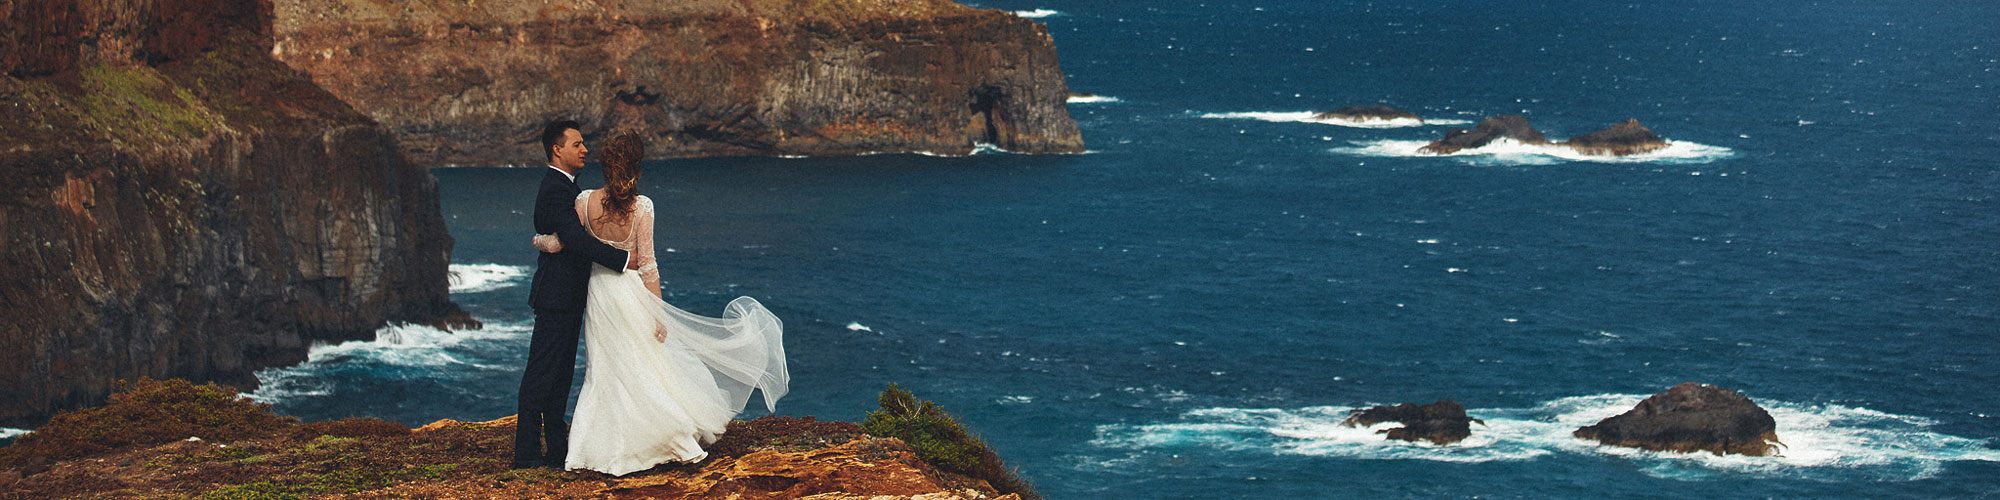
[180,204]
[175,439]
[469,83]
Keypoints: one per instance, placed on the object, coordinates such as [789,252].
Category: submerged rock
[1443,422]
[1368,113]
[1691,417]
[1491,129]
[1626,138]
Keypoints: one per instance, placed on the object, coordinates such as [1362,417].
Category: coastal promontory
[180,204]
[468,83]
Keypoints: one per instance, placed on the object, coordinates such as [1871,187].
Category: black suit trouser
[545,388]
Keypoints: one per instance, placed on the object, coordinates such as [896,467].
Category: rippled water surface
[1188,310]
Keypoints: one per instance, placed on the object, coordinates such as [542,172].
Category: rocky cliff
[178,203]
[472,82]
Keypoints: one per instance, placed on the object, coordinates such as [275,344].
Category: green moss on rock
[939,440]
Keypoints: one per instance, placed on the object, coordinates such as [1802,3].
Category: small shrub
[144,413]
[941,441]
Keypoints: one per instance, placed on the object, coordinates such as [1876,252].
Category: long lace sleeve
[642,228]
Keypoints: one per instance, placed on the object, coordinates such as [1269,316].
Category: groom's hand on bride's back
[547,243]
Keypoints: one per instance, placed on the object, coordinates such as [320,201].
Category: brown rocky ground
[254,455]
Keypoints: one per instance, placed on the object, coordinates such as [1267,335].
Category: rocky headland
[172,439]
[1625,138]
[1691,417]
[470,83]
[180,204]
[1442,422]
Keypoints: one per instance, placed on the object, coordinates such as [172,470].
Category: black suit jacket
[561,278]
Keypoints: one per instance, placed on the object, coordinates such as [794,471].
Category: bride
[659,382]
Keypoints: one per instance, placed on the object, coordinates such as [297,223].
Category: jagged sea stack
[469,83]
[1691,417]
[1443,422]
[1491,129]
[180,204]
[1626,138]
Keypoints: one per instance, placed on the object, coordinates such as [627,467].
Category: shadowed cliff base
[172,438]
[180,204]
[470,84]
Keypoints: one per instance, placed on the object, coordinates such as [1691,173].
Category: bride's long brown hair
[621,175]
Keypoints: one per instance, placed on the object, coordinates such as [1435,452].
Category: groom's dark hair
[553,133]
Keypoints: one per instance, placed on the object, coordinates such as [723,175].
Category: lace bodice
[638,234]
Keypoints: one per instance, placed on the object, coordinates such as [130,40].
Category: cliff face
[473,82]
[179,204]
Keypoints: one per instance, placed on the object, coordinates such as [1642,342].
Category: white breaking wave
[977,149]
[395,346]
[10,433]
[1091,99]
[1311,117]
[476,278]
[1821,441]
[1511,152]
[1035,14]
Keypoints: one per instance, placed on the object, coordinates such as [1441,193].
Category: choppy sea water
[1189,309]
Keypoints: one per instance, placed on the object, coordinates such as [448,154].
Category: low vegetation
[941,441]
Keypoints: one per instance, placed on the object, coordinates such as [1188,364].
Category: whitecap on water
[11,433]
[476,278]
[1822,441]
[1510,152]
[1091,99]
[1035,14]
[1312,117]
[418,347]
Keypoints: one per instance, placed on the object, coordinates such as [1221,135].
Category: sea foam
[395,348]
[1091,99]
[1036,14]
[1312,117]
[1510,152]
[476,278]
[1821,441]
[11,433]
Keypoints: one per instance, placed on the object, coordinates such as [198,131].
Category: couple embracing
[659,382]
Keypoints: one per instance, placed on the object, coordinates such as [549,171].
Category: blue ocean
[1189,309]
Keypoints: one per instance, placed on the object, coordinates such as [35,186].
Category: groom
[561,280]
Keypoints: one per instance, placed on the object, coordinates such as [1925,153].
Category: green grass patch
[939,440]
[342,481]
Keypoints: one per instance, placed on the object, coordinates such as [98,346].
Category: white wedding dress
[646,402]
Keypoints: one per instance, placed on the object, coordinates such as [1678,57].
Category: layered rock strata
[1691,417]
[180,204]
[1443,422]
[470,83]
